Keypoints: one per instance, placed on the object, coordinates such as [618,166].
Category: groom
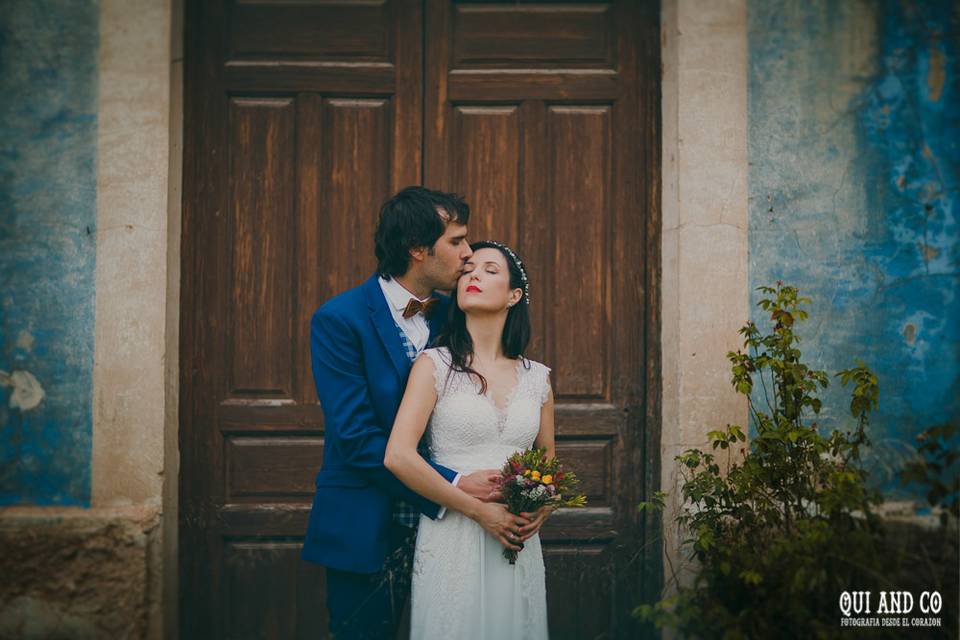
[362,343]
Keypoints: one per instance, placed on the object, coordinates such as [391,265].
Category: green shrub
[782,526]
[937,469]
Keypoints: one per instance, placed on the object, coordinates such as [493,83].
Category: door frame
[183,111]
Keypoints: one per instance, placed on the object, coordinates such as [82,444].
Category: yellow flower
[535,475]
[547,479]
[526,472]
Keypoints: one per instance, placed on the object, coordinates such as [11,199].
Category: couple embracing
[425,396]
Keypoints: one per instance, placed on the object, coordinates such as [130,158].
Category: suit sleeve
[350,421]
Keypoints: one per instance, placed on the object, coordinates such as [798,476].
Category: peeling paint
[910,332]
[936,74]
[48,80]
[24,341]
[929,253]
[27,393]
[854,140]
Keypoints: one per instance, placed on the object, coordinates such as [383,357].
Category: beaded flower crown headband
[516,261]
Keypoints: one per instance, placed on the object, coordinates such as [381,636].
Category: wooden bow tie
[415,306]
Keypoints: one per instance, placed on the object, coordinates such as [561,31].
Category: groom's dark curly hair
[412,219]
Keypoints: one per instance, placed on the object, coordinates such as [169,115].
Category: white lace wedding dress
[463,588]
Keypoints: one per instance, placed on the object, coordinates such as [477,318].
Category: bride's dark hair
[516,330]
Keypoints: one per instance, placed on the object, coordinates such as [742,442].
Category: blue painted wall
[854,145]
[854,128]
[48,97]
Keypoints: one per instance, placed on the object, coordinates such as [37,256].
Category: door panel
[300,119]
[260,203]
[529,36]
[578,148]
[534,114]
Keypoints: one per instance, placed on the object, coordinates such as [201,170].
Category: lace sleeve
[440,367]
[544,374]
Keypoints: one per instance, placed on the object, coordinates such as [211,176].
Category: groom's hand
[482,485]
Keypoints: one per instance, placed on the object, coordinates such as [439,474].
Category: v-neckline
[508,399]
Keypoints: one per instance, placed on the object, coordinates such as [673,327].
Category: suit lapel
[386,327]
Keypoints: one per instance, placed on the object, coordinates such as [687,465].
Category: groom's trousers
[367,606]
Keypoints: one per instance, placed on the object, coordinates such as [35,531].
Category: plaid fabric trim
[404,513]
[408,346]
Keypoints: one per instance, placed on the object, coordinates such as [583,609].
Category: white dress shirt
[416,328]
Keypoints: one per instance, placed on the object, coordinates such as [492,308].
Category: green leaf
[751,577]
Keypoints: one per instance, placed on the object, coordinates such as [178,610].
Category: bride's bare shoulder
[439,355]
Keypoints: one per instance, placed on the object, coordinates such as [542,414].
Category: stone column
[705,286]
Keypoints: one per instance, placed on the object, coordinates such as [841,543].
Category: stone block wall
[78,573]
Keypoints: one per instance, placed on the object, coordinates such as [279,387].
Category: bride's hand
[537,518]
[501,524]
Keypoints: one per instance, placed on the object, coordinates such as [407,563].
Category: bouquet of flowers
[529,481]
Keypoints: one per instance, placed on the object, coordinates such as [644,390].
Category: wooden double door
[301,119]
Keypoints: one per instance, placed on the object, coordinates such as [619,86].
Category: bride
[478,400]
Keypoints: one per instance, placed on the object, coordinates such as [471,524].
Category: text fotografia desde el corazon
[893,606]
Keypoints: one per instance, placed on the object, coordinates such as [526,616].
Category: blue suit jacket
[360,369]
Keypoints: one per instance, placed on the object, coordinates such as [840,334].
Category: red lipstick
[473,289]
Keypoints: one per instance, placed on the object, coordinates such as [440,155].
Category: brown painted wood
[528,35]
[300,119]
[536,113]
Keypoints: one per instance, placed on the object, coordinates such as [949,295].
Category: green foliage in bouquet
[529,481]
[782,526]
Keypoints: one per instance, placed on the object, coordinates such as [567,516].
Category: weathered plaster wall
[854,144]
[704,244]
[171,357]
[88,144]
[48,129]
[133,161]
[137,307]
